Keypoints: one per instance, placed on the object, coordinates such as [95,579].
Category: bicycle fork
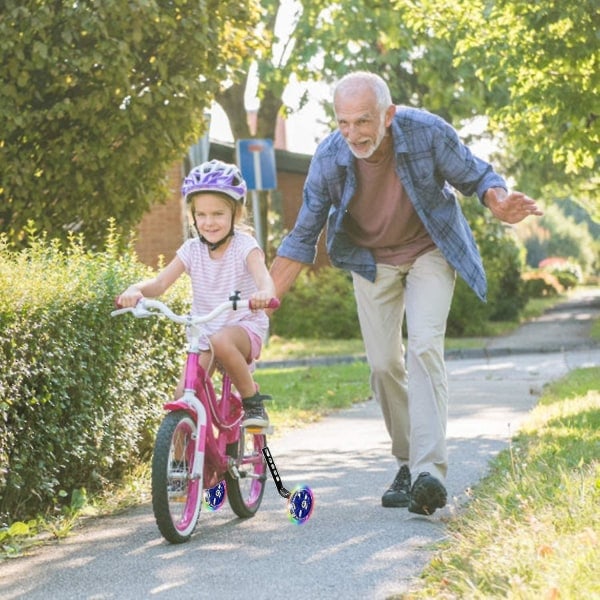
[191,401]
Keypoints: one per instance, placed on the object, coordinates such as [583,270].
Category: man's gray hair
[371,80]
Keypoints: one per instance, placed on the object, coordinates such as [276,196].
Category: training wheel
[215,496]
[300,505]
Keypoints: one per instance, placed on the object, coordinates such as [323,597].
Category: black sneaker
[427,495]
[398,495]
[255,414]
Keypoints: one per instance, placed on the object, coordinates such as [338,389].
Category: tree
[97,100]
[324,41]
[544,56]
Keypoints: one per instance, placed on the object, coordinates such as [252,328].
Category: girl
[220,260]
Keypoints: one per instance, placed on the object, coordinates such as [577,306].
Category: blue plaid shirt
[430,158]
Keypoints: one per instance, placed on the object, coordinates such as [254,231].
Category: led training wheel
[300,505]
[300,501]
[215,496]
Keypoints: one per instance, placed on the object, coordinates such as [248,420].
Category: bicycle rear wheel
[246,492]
[176,498]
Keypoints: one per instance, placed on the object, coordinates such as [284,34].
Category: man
[381,183]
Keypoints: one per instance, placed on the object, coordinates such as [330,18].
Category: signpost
[256,159]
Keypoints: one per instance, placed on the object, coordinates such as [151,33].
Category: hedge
[80,392]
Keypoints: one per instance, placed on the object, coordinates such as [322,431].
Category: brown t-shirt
[382,217]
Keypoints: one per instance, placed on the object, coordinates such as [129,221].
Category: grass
[532,529]
[305,394]
[290,349]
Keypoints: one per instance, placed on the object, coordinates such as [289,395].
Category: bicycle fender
[180,405]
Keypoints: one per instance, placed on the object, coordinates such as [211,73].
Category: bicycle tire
[246,492]
[176,498]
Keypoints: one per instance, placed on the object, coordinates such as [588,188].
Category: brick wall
[160,232]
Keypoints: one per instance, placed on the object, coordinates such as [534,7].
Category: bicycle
[201,453]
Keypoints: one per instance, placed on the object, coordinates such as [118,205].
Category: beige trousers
[414,395]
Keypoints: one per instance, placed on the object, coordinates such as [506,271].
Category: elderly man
[382,185]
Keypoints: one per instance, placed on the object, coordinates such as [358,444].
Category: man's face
[361,122]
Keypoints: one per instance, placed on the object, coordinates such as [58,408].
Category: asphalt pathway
[351,547]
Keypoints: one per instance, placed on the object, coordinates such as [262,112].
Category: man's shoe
[427,495]
[255,414]
[398,495]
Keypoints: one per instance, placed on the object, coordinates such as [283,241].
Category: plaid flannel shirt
[430,161]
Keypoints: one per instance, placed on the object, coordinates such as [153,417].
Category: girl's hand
[260,300]
[129,298]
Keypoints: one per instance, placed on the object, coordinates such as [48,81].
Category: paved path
[350,548]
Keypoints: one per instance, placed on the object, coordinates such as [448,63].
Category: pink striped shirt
[214,280]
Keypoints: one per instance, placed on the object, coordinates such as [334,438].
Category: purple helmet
[215,176]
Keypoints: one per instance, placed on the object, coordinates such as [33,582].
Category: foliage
[541,284]
[79,397]
[320,305]
[99,98]
[558,235]
[308,40]
[544,57]
[568,273]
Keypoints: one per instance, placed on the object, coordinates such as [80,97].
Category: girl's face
[213,215]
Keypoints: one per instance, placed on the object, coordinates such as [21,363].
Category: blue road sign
[256,159]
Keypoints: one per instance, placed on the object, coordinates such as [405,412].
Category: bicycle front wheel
[246,492]
[176,497]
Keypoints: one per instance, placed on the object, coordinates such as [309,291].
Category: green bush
[567,279]
[541,284]
[80,392]
[320,305]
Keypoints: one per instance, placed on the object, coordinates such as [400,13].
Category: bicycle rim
[176,498]
[245,493]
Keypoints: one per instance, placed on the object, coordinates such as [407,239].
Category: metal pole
[257,218]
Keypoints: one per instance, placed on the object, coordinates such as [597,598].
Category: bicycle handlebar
[147,307]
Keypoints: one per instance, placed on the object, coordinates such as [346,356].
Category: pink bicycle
[201,453]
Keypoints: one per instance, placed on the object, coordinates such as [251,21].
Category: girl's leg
[232,349]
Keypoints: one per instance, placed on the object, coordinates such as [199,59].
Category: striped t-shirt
[214,280]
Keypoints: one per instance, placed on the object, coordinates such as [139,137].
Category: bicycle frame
[200,401]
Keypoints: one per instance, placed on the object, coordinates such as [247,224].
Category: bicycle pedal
[258,430]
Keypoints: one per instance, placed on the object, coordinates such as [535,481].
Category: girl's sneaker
[255,414]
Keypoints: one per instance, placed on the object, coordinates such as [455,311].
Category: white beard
[373,147]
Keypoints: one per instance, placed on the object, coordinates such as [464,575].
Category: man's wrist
[499,195]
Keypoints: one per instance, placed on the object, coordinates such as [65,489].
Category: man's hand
[510,208]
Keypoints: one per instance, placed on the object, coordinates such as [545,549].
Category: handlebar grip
[273,304]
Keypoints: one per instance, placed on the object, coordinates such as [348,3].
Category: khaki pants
[413,396]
